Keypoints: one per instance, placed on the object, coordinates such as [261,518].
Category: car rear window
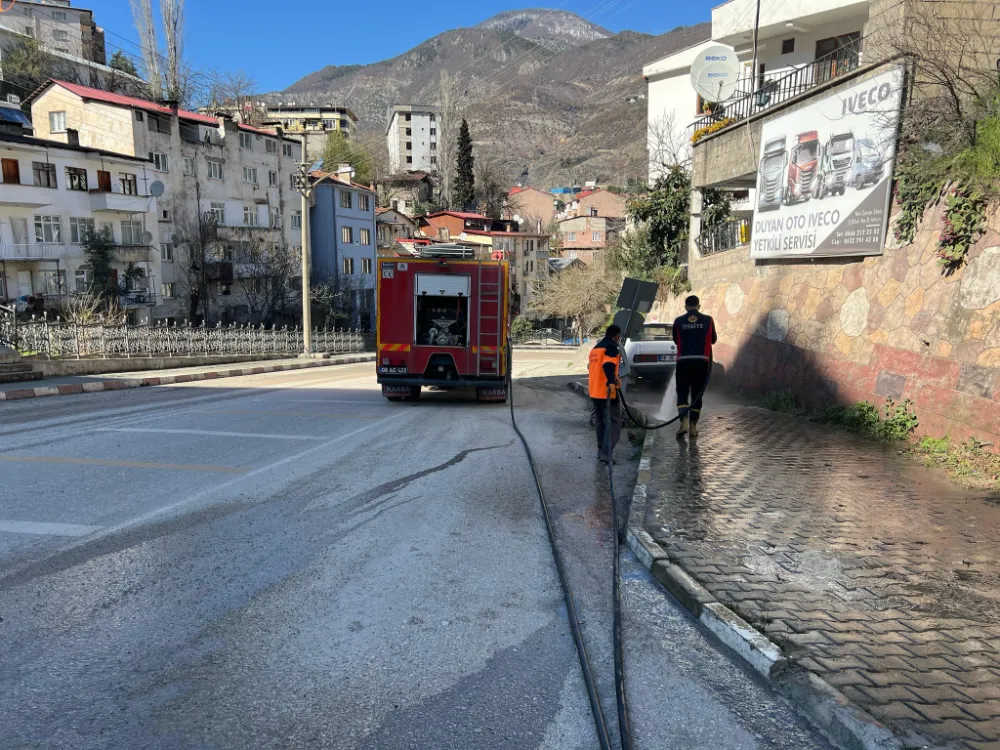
[656,333]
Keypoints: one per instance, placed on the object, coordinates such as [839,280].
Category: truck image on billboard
[824,173]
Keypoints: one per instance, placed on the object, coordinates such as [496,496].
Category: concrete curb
[122,383]
[842,721]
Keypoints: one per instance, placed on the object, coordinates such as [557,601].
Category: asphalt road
[288,561]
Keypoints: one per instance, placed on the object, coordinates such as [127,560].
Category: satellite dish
[175,239]
[147,237]
[156,189]
[715,73]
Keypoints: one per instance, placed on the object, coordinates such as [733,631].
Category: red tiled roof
[86,92]
[459,214]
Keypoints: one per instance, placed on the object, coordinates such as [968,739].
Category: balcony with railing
[32,251]
[133,253]
[778,87]
[26,196]
[726,235]
[102,200]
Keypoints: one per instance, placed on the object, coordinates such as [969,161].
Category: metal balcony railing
[776,90]
[728,235]
[32,251]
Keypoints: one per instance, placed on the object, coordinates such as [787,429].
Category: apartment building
[412,138]
[822,39]
[532,204]
[406,191]
[52,196]
[236,177]
[393,225]
[58,26]
[586,237]
[343,240]
[595,202]
[311,124]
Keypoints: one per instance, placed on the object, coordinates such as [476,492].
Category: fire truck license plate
[392,370]
[492,394]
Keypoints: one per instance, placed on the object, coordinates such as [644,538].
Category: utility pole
[304,186]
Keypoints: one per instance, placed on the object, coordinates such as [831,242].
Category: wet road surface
[288,561]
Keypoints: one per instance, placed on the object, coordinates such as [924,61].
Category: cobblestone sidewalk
[864,567]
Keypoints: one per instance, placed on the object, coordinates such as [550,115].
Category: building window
[165,214]
[167,290]
[214,169]
[286,149]
[593,210]
[296,220]
[53,282]
[76,178]
[45,174]
[158,123]
[434,160]
[29,31]
[409,131]
[128,182]
[250,216]
[275,218]
[79,228]
[434,146]
[131,232]
[60,36]
[409,160]
[434,131]
[571,236]
[346,235]
[364,203]
[246,141]
[57,122]
[167,252]
[250,175]
[218,213]
[366,236]
[432,117]
[595,236]
[348,265]
[407,116]
[138,115]
[58,15]
[189,165]
[272,178]
[345,199]
[366,265]
[48,229]
[159,161]
[227,254]
[81,282]
[787,46]
[271,146]
[409,145]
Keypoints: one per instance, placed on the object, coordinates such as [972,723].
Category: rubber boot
[682,430]
[693,432]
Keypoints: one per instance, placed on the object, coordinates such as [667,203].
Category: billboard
[825,171]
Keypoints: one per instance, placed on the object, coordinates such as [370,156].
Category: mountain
[544,91]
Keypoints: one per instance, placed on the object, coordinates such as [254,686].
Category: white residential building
[412,138]
[52,195]
[817,36]
[240,176]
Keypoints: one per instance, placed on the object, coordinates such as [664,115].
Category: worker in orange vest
[603,379]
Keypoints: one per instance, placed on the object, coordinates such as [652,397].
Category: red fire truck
[442,320]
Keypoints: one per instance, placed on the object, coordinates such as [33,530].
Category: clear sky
[278,43]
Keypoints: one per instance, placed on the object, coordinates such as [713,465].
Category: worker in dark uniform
[694,334]
[603,378]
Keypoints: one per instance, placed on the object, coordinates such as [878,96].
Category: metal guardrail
[546,336]
[778,90]
[727,235]
[56,339]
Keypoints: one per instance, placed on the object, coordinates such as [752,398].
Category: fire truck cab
[442,321]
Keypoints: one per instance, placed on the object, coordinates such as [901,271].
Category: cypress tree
[465,182]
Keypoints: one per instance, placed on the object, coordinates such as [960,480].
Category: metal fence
[726,235]
[55,339]
[780,89]
[546,336]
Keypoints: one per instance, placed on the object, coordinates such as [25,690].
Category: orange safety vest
[598,380]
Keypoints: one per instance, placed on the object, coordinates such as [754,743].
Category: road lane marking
[47,529]
[213,433]
[369,402]
[123,464]
[292,414]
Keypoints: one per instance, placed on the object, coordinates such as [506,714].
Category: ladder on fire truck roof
[452,251]
[489,320]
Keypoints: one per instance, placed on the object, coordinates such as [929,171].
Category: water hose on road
[600,725]
[660,426]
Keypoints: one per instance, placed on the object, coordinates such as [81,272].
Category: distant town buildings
[412,138]
[586,237]
[311,124]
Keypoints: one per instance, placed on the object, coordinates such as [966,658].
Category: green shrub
[784,402]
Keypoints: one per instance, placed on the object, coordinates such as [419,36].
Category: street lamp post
[304,186]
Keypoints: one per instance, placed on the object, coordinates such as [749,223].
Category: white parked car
[652,353]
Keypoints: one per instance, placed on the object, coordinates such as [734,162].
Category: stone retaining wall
[889,326]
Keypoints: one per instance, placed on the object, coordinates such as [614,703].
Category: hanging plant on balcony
[715,127]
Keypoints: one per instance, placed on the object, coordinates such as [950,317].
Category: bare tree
[581,294]
[142,15]
[492,183]
[266,274]
[236,90]
[172,14]
[667,145]
[198,254]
